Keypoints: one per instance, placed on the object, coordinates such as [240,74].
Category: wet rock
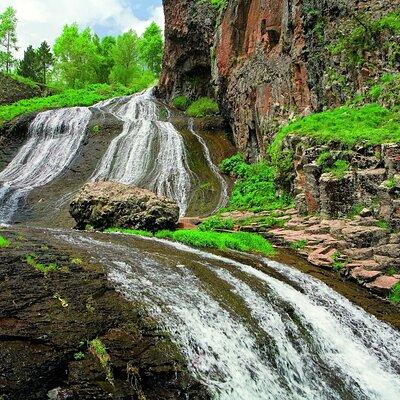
[322,256]
[111,204]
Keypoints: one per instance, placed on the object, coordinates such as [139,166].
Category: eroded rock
[111,204]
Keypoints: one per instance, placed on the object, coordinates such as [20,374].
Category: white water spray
[54,138]
[148,153]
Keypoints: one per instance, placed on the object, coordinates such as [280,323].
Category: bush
[255,187]
[240,241]
[215,222]
[4,242]
[203,107]
[181,103]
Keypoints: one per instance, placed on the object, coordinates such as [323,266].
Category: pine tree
[8,38]
[45,60]
[28,66]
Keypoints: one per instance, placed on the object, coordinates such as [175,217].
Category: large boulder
[110,204]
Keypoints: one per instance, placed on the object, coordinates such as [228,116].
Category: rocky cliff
[273,60]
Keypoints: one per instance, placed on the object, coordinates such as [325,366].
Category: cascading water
[251,336]
[223,200]
[54,139]
[148,153]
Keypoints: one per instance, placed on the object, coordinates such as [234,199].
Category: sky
[40,20]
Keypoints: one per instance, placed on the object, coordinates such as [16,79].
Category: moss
[32,261]
[181,103]
[203,107]
[98,348]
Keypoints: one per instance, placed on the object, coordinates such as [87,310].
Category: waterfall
[223,200]
[53,141]
[148,153]
[270,339]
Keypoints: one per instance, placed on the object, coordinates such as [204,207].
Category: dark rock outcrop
[47,322]
[189,36]
[111,204]
[11,90]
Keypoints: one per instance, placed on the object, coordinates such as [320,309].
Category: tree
[44,59]
[77,56]
[107,62]
[28,66]
[150,48]
[8,37]
[124,54]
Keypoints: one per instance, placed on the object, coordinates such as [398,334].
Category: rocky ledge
[111,204]
[65,333]
[360,249]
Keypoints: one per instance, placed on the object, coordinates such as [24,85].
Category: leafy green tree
[44,59]
[8,38]
[150,48]
[77,56]
[124,54]
[107,62]
[28,67]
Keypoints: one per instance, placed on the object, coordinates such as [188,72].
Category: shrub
[4,242]
[215,222]
[240,241]
[203,107]
[255,187]
[394,295]
[337,264]
[181,103]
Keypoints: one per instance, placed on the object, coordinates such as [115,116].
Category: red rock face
[260,69]
[189,35]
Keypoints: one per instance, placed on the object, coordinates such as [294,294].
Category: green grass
[4,242]
[203,107]
[240,241]
[129,232]
[181,103]
[45,268]
[69,98]
[394,295]
[214,223]
[339,169]
[383,224]
[255,188]
[371,124]
[23,80]
[337,264]
[392,271]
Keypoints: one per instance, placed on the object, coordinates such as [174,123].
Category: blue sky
[40,20]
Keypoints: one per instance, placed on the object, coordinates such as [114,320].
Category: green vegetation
[392,271]
[299,244]
[263,221]
[240,241]
[365,37]
[8,38]
[355,210]
[337,264]
[394,295]
[383,224]
[32,260]
[392,182]
[98,348]
[69,98]
[255,188]
[79,356]
[181,103]
[219,4]
[338,169]
[4,242]
[203,107]
[371,124]
[129,232]
[215,222]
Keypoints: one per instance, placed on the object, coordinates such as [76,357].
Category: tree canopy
[8,38]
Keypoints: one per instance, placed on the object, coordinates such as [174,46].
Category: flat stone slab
[383,283]
[364,275]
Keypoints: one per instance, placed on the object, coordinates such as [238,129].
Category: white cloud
[40,20]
